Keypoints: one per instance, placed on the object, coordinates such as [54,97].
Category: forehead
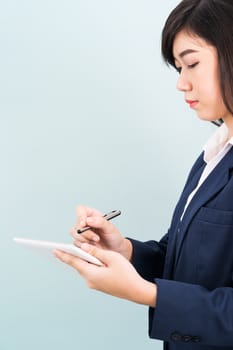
[188,41]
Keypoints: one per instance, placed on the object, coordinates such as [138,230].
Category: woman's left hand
[116,277]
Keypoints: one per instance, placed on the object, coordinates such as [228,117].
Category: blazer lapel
[190,185]
[213,184]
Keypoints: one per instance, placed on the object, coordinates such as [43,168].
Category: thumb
[101,254]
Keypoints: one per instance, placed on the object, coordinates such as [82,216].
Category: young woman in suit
[186,278]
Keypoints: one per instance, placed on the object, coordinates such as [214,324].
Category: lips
[192,103]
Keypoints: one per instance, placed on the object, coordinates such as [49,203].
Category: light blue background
[88,114]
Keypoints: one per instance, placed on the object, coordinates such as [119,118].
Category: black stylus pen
[108,216]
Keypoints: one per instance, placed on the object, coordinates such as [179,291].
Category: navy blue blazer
[192,265]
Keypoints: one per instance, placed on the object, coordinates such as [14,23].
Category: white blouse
[214,150]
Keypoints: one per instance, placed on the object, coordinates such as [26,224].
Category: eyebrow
[186,52]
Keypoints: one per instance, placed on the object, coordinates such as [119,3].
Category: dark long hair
[212,20]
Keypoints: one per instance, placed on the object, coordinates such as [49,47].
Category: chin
[206,117]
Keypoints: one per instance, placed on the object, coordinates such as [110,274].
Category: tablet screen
[51,246]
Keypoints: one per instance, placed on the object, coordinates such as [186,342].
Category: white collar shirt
[214,150]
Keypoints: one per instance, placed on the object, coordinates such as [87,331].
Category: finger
[83,267]
[90,237]
[101,254]
[89,234]
[78,241]
[70,259]
[74,231]
[85,236]
[83,212]
[94,222]
[99,222]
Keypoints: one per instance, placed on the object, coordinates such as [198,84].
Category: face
[197,63]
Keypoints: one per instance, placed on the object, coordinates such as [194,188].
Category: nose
[183,84]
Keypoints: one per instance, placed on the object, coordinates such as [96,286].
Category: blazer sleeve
[209,314]
[149,257]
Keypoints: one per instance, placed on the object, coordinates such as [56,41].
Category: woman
[187,278]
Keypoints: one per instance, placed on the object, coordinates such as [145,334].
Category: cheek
[211,103]
[209,89]
[216,100]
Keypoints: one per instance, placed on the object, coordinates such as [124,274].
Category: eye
[190,66]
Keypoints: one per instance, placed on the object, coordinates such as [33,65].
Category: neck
[228,120]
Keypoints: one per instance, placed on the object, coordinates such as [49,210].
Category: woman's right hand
[102,234]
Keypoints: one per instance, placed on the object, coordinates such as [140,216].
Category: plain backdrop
[89,114]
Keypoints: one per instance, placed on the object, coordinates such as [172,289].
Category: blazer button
[196,339]
[176,337]
[187,338]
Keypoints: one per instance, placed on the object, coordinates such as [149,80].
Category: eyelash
[191,66]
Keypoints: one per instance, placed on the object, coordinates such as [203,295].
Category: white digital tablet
[51,246]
